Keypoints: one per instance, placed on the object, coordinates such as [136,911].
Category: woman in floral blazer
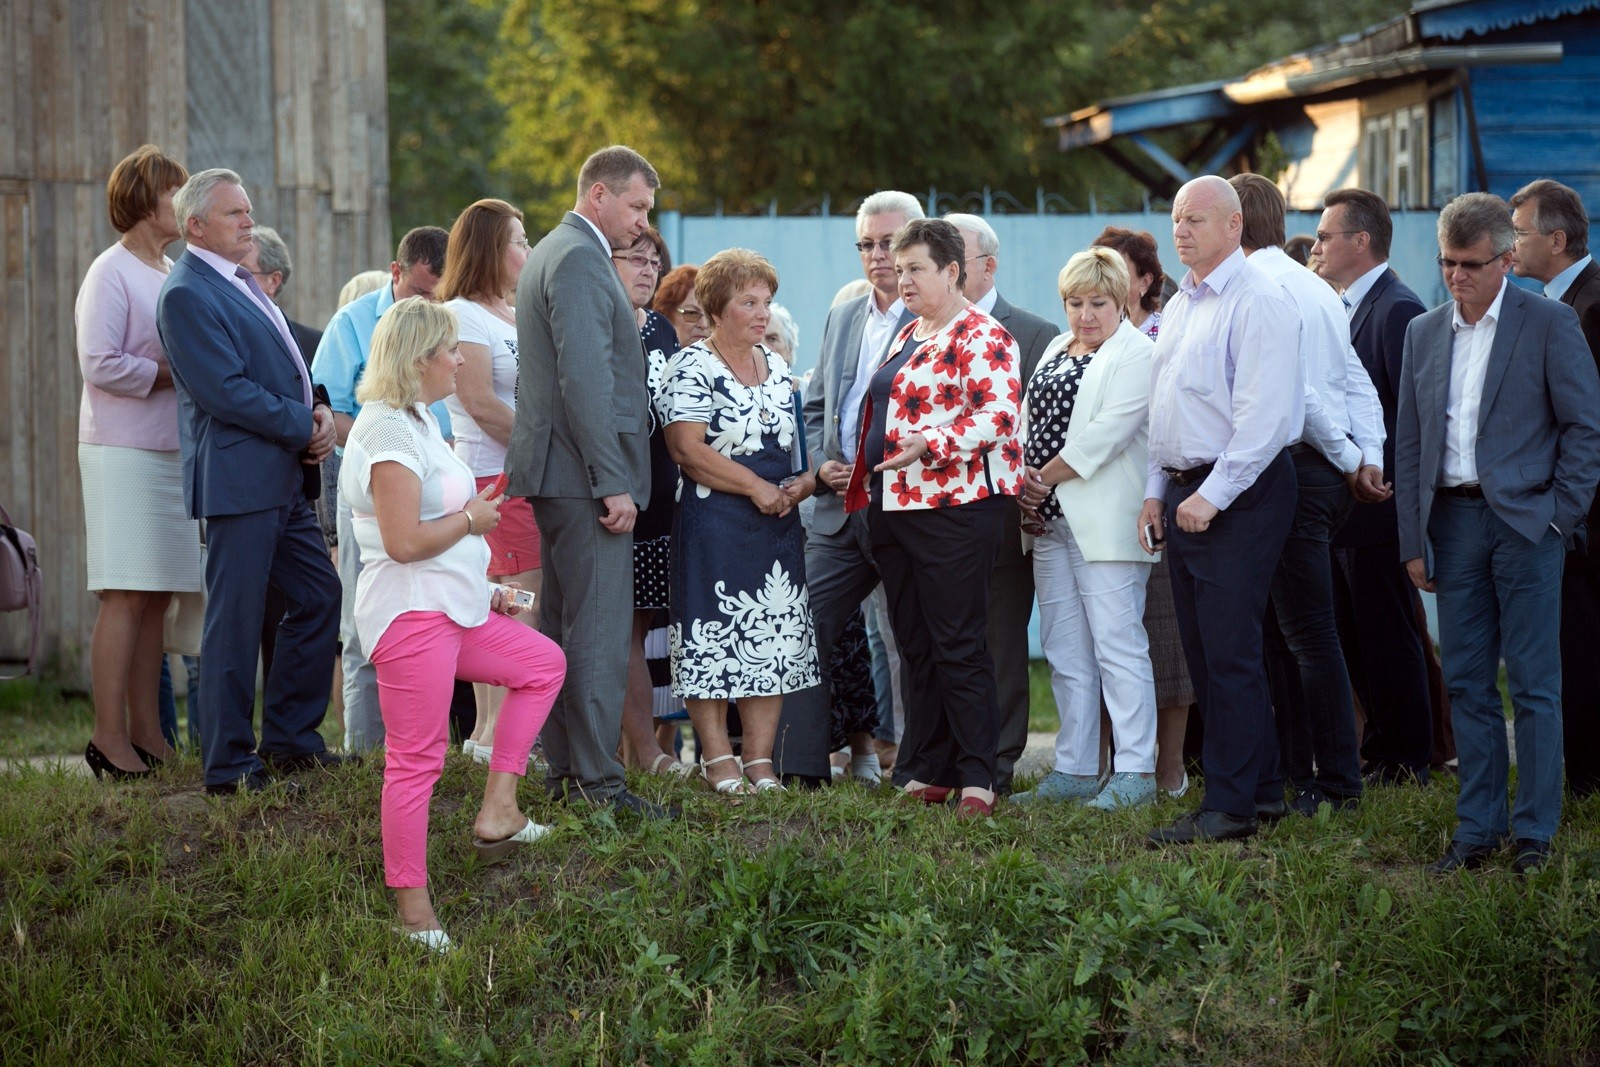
[937,453]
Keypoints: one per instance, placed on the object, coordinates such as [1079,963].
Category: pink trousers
[418,659]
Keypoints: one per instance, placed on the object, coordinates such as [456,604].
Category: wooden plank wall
[291,93]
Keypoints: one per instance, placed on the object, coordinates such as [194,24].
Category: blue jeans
[1499,594]
[1305,663]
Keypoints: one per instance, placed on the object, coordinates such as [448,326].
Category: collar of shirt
[1557,287]
[891,316]
[987,301]
[1217,280]
[217,263]
[1457,323]
[1363,285]
[604,243]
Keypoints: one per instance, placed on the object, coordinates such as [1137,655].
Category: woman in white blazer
[1085,418]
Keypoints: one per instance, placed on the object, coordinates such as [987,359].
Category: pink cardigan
[119,352]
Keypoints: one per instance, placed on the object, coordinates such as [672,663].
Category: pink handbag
[21,582]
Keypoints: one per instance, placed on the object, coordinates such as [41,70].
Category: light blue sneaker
[1125,791]
[1057,787]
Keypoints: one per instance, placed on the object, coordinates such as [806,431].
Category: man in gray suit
[839,568]
[1011,581]
[579,450]
[1496,453]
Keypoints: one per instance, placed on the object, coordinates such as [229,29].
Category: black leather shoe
[257,781]
[1307,801]
[294,763]
[1531,855]
[624,802]
[1203,826]
[1271,811]
[1393,774]
[1462,856]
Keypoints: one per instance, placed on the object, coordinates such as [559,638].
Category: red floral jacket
[960,391]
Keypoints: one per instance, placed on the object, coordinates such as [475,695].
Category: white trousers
[1091,624]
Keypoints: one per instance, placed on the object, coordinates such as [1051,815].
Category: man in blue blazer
[1496,456]
[251,437]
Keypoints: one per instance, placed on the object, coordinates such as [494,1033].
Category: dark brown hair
[1140,248]
[137,183]
[475,261]
[1365,212]
[944,241]
[1262,206]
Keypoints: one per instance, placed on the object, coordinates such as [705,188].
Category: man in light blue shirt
[1227,397]
[341,357]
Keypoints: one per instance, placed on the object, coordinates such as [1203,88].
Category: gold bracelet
[471,526]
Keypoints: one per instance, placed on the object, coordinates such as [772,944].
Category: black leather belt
[1301,448]
[1471,491]
[1190,476]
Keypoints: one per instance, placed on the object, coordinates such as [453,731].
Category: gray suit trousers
[588,605]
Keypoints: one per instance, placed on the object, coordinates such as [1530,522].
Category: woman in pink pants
[424,609]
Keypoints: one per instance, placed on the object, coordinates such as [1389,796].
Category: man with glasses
[1552,245]
[1496,456]
[1383,646]
[1011,582]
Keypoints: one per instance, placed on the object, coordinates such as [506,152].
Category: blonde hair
[410,333]
[366,282]
[1096,270]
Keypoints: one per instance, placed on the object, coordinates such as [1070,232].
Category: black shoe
[624,801]
[1462,856]
[1307,801]
[257,781]
[1203,826]
[293,763]
[1271,810]
[101,765]
[149,760]
[1531,855]
[1394,774]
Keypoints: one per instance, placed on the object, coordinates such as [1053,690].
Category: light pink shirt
[119,352]
[245,282]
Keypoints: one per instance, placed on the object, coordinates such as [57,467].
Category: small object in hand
[1150,537]
[498,486]
[522,598]
[787,482]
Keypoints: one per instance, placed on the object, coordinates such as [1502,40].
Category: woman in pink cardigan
[142,545]
[938,451]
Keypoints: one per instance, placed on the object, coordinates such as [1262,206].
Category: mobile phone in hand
[522,598]
[498,486]
[1150,537]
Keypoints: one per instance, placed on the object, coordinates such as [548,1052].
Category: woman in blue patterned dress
[740,620]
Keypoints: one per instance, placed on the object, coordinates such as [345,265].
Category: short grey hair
[1557,207]
[788,329]
[193,198]
[272,254]
[988,240]
[888,202]
[1471,217]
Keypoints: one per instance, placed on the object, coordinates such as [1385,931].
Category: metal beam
[1231,147]
[1159,184]
[1162,158]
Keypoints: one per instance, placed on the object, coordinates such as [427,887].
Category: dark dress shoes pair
[1307,801]
[1197,826]
[257,781]
[293,763]
[1460,856]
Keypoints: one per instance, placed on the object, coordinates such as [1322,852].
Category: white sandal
[766,784]
[733,787]
[674,766]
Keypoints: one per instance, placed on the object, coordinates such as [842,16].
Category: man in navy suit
[1552,245]
[251,437]
[1383,645]
[1497,449]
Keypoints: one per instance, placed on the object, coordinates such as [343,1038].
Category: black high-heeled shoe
[150,760]
[101,765]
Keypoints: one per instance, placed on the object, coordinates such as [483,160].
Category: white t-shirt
[480,326]
[453,581]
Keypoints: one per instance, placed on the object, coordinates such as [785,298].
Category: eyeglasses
[263,273]
[1469,265]
[1532,233]
[866,247]
[522,242]
[691,314]
[1323,235]
[974,259]
[641,262]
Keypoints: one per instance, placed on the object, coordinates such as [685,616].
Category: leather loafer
[1463,857]
[294,763]
[1271,810]
[1307,801]
[624,802]
[257,781]
[1199,826]
[1531,855]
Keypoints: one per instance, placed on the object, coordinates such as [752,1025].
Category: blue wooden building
[1452,96]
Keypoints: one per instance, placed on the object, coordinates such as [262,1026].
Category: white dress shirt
[987,301]
[1226,381]
[1344,418]
[1469,363]
[1359,288]
[876,334]
[1557,287]
[604,241]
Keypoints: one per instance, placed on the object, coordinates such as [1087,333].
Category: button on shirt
[1469,363]
[878,330]
[1226,380]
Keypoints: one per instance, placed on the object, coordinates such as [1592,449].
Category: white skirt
[140,535]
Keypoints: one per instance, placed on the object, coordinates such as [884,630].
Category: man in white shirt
[1496,456]
[1552,245]
[1339,455]
[1227,397]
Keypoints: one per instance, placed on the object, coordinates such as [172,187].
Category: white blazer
[1107,444]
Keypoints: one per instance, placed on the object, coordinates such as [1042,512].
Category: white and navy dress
[1051,394]
[740,618]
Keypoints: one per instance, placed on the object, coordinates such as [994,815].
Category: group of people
[577,424]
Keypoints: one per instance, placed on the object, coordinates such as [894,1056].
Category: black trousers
[936,564]
[1220,579]
[1580,676]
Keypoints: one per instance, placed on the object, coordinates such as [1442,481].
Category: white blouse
[478,325]
[451,582]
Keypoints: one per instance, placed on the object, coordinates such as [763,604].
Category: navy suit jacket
[1378,334]
[242,417]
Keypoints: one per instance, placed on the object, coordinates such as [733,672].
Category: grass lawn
[146,923]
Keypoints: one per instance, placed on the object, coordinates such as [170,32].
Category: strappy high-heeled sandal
[728,787]
[674,766]
[767,783]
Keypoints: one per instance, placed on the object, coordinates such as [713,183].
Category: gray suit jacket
[1032,333]
[836,372]
[582,427]
[1538,442]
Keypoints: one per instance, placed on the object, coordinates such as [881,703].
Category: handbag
[21,582]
